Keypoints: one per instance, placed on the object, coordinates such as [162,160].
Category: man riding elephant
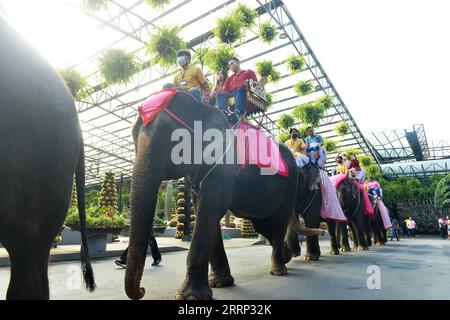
[190,78]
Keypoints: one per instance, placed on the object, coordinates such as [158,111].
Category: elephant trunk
[300,227]
[144,193]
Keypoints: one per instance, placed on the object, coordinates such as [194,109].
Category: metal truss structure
[109,112]
[408,153]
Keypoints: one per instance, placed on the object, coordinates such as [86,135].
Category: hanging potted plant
[365,161]
[218,58]
[330,145]
[117,66]
[304,87]
[283,137]
[286,121]
[200,56]
[325,101]
[309,113]
[342,128]
[76,83]
[164,45]
[267,32]
[95,5]
[229,28]
[247,15]
[351,152]
[266,70]
[157,4]
[295,63]
[269,98]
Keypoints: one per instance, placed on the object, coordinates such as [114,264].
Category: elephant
[352,203]
[308,204]
[267,200]
[42,149]
[377,227]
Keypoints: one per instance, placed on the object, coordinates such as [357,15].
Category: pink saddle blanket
[155,103]
[384,214]
[331,209]
[255,147]
[368,210]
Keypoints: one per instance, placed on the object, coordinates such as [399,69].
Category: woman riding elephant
[221,184]
[42,148]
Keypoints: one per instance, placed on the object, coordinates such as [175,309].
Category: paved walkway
[409,269]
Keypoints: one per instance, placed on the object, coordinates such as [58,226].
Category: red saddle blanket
[368,210]
[255,147]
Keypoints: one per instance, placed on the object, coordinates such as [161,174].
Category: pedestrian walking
[156,255]
[411,226]
[443,227]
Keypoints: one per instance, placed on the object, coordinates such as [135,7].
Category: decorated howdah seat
[256,97]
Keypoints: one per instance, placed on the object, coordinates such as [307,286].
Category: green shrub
[442,194]
[267,32]
[330,145]
[164,45]
[309,113]
[158,221]
[173,223]
[325,101]
[247,15]
[75,82]
[373,171]
[365,161]
[266,69]
[218,58]
[229,28]
[286,121]
[283,137]
[117,66]
[351,152]
[342,128]
[295,63]
[304,87]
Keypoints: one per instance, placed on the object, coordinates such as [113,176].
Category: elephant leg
[220,275]
[358,231]
[345,246]
[29,270]
[279,227]
[292,245]
[334,246]
[367,231]
[312,248]
[212,205]
[354,235]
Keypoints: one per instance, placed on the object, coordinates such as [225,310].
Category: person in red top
[355,168]
[236,87]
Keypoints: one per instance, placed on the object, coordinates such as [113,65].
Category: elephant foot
[312,257]
[335,252]
[189,291]
[278,270]
[346,248]
[363,248]
[220,281]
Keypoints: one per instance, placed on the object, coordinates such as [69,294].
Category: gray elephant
[41,149]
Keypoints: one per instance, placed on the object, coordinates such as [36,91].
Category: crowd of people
[444,227]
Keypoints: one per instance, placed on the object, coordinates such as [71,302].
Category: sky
[388,59]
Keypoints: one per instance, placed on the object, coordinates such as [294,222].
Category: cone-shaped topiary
[73,198]
[164,45]
[304,87]
[229,28]
[108,192]
[218,58]
[295,63]
[267,32]
[117,66]
[247,230]
[247,15]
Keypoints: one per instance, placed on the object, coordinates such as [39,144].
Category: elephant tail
[88,273]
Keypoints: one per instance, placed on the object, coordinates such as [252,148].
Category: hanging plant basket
[309,113]
[266,69]
[158,4]
[199,56]
[350,152]
[164,45]
[267,32]
[117,66]
[229,28]
[295,63]
[283,137]
[342,128]
[304,87]
[286,121]
[247,15]
[269,98]
[95,5]
[76,83]
[217,59]
[325,101]
[330,145]
[365,161]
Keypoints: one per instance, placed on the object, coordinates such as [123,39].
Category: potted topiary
[159,225]
[267,32]
[266,70]
[309,113]
[75,82]
[117,66]
[157,4]
[286,121]
[95,5]
[295,63]
[229,28]
[342,128]
[247,15]
[304,87]
[164,45]
[218,58]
